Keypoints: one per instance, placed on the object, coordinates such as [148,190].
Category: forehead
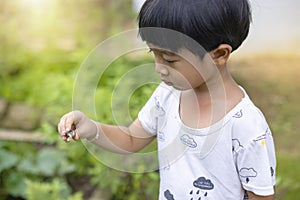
[182,52]
[158,48]
[167,51]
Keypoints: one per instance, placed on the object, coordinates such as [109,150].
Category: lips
[167,83]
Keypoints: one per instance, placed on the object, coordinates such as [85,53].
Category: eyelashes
[164,59]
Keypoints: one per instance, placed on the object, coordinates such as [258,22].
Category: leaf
[28,165]
[56,189]
[48,161]
[15,184]
[7,159]
[76,196]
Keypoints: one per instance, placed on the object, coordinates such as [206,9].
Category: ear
[221,54]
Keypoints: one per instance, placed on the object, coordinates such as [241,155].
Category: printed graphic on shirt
[239,114]
[202,187]
[158,107]
[156,112]
[236,145]
[261,137]
[168,195]
[161,136]
[247,173]
[272,171]
[188,141]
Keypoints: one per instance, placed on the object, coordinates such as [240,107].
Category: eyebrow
[169,53]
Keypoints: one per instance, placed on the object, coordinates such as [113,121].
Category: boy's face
[182,70]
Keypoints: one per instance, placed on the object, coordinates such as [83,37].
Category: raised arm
[119,139]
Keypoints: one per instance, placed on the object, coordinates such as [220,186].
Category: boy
[207,128]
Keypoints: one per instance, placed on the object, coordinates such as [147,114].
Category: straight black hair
[209,23]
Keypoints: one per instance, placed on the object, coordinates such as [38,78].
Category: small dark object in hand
[69,135]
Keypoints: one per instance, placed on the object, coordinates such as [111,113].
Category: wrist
[96,135]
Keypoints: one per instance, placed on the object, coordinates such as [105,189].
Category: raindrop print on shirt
[272,171]
[202,187]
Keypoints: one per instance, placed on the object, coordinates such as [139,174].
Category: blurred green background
[42,45]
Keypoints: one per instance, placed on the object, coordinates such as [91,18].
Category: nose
[161,69]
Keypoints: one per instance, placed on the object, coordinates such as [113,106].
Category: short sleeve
[149,113]
[256,164]
[153,114]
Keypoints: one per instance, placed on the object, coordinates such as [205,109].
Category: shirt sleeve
[148,115]
[153,114]
[256,164]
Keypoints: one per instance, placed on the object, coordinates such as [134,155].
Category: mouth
[167,83]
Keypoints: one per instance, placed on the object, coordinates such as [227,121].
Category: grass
[273,83]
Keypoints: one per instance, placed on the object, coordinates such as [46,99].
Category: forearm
[119,139]
[113,138]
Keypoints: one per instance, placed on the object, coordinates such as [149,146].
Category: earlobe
[221,54]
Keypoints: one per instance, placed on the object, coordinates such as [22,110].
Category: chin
[180,88]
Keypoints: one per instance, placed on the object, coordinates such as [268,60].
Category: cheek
[196,80]
[193,76]
[189,80]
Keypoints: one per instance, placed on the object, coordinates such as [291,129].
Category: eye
[169,61]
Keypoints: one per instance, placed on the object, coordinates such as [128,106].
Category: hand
[77,122]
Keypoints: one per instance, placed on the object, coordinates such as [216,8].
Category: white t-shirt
[218,162]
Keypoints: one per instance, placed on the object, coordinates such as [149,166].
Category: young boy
[213,143]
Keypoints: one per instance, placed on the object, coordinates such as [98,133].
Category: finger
[64,138]
[76,136]
[60,126]
[67,122]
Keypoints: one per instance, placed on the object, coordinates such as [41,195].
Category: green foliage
[288,174]
[7,160]
[54,190]
[25,162]
[125,185]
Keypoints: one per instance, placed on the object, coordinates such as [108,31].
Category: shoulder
[249,123]
[159,104]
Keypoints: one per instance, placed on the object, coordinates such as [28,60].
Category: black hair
[208,22]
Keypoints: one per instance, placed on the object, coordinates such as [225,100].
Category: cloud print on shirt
[247,172]
[239,114]
[188,141]
[236,145]
[203,183]
[168,195]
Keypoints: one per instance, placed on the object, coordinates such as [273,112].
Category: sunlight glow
[36,3]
